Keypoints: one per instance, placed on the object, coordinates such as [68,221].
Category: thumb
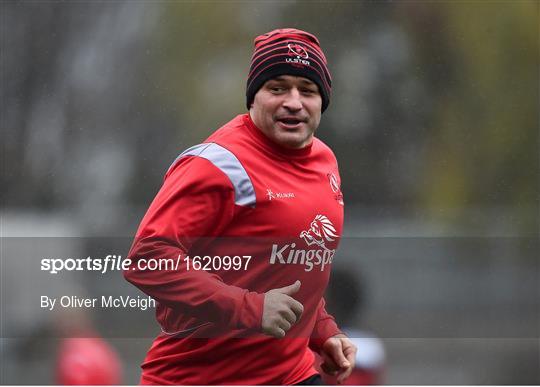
[291,289]
[340,358]
[336,352]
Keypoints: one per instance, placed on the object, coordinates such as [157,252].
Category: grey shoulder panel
[226,162]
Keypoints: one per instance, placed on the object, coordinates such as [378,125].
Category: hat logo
[300,56]
[297,50]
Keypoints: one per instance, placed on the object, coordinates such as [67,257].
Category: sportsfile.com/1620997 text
[115,263]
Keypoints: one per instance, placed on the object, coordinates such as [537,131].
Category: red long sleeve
[196,200]
[325,327]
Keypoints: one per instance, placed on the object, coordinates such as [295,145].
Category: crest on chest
[335,186]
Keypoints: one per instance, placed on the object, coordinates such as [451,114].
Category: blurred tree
[481,59]
[435,104]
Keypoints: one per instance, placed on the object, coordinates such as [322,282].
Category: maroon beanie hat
[288,51]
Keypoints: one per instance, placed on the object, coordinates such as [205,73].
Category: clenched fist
[338,353]
[281,311]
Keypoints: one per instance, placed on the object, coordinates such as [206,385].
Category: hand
[281,311]
[338,353]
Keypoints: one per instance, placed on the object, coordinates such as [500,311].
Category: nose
[293,100]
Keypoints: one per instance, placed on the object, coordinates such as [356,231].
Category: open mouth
[290,122]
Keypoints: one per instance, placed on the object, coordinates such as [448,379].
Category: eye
[308,91]
[276,89]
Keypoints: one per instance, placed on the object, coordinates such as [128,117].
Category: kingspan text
[289,255]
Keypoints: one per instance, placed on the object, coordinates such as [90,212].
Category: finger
[291,289]
[328,369]
[336,351]
[285,325]
[278,333]
[328,365]
[296,307]
[289,315]
[349,350]
[350,354]
[334,348]
[344,374]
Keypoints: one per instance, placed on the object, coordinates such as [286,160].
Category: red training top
[239,194]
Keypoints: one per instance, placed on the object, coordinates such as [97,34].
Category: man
[264,190]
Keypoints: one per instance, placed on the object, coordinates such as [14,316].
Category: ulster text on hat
[299,52]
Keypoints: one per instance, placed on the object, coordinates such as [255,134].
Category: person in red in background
[264,189]
[87,361]
[345,297]
[83,357]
